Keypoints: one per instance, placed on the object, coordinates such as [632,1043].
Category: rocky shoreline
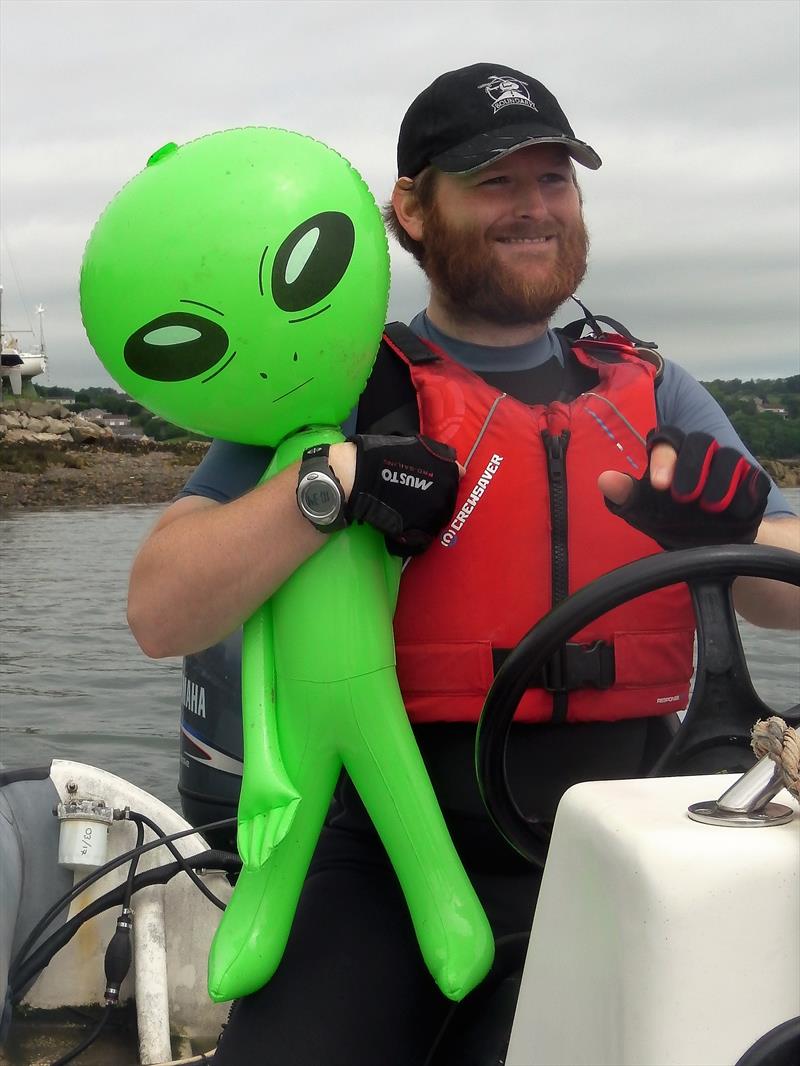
[52,458]
[784,472]
[79,477]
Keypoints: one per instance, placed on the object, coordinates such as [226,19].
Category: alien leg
[252,935]
[268,800]
[386,767]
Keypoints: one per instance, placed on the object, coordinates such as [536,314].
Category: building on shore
[120,425]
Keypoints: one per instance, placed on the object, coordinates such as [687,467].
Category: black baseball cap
[471,117]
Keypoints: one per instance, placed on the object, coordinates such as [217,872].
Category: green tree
[55,392]
[769,436]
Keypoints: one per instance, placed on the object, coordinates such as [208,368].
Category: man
[486,199]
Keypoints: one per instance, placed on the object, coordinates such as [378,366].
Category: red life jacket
[530,527]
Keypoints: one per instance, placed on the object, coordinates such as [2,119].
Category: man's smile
[525,240]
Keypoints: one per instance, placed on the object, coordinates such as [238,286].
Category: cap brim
[487,148]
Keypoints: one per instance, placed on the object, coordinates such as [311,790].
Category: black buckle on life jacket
[573,666]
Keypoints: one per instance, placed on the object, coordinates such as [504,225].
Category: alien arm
[206,567]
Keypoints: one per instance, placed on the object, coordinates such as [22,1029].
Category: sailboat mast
[40,313]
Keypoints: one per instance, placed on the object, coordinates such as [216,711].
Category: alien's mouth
[289,393]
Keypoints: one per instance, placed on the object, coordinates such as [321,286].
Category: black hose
[21,975]
[84,1044]
[90,879]
[126,902]
[143,819]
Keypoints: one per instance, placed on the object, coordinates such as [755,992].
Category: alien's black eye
[312,260]
[175,347]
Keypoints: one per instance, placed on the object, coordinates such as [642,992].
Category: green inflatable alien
[237,286]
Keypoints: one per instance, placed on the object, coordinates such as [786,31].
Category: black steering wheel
[715,733]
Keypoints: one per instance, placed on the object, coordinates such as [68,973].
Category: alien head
[237,286]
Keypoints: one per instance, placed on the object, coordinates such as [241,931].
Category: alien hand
[405,487]
[716,495]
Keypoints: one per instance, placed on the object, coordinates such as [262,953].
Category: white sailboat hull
[31,366]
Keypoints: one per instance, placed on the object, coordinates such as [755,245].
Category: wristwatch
[320,496]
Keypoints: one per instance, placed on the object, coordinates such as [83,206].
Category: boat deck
[38,1038]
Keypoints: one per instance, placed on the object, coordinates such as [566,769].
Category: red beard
[462,266]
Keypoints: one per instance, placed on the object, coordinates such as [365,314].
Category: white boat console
[659,940]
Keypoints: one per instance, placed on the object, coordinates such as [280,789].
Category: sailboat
[16,365]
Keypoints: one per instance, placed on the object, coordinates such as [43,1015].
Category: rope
[775,738]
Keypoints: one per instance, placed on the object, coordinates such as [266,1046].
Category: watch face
[320,498]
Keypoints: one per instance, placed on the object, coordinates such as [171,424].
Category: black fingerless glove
[717,495]
[404,486]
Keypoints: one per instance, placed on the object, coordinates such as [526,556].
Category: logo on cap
[504,91]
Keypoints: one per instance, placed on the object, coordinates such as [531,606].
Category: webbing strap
[575,329]
[407,343]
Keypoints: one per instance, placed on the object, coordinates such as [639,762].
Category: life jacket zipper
[556,452]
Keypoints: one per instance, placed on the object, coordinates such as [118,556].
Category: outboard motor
[211,738]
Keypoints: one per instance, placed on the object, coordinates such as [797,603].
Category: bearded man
[515,424]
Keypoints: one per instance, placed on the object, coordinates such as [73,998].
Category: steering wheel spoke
[715,735]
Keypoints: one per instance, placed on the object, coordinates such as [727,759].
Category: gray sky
[693,106]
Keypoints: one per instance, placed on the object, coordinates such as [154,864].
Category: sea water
[74,684]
